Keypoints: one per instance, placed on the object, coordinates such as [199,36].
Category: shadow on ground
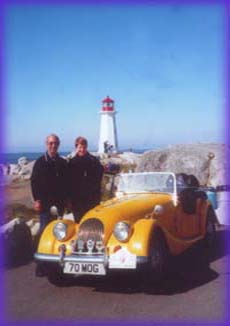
[188,271]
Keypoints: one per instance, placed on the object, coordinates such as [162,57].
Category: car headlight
[122,231]
[60,231]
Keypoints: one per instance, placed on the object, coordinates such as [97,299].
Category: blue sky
[162,64]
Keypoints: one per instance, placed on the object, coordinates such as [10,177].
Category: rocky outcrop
[126,160]
[13,172]
[206,161]
[26,169]
[23,161]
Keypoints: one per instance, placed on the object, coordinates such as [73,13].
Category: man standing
[85,179]
[49,181]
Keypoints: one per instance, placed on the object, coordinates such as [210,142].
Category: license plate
[84,268]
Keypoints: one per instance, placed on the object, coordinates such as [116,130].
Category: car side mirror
[158,210]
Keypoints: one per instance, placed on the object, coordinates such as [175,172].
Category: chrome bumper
[81,259]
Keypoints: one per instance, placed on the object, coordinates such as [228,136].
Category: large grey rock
[26,170]
[16,239]
[13,169]
[191,159]
[22,161]
[128,159]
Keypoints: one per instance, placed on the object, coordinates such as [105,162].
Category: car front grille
[90,238]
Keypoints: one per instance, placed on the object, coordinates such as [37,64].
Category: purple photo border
[2,142]
[4,4]
[227,132]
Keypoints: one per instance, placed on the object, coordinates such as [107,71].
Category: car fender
[142,233]
[139,241]
[48,244]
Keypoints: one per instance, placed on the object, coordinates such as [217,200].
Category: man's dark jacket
[49,181]
[85,181]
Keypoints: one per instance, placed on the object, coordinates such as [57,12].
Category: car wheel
[158,259]
[210,235]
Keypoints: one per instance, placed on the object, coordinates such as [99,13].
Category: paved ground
[194,292]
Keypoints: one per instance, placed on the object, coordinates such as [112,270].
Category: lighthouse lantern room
[108,130]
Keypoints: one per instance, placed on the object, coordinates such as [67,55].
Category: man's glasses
[52,143]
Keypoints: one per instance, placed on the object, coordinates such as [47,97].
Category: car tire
[159,258]
[210,235]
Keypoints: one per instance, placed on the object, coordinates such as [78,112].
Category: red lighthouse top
[108,104]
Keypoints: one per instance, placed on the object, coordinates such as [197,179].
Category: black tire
[18,245]
[159,258]
[210,236]
[209,240]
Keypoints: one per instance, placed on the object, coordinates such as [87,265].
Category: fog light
[80,245]
[90,245]
[99,246]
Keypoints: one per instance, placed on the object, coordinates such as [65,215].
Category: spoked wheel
[158,259]
[210,236]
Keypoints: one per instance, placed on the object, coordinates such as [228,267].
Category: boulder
[16,239]
[206,161]
[130,158]
[127,160]
[13,172]
[22,161]
[26,170]
[13,169]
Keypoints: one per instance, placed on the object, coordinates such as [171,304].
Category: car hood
[126,208]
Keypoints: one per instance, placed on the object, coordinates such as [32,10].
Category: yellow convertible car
[153,216]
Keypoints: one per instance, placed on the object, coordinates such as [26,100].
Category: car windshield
[147,182]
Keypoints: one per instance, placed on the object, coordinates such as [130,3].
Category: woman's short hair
[81,141]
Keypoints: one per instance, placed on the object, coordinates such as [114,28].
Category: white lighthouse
[108,130]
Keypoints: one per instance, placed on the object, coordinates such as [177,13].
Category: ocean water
[12,158]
